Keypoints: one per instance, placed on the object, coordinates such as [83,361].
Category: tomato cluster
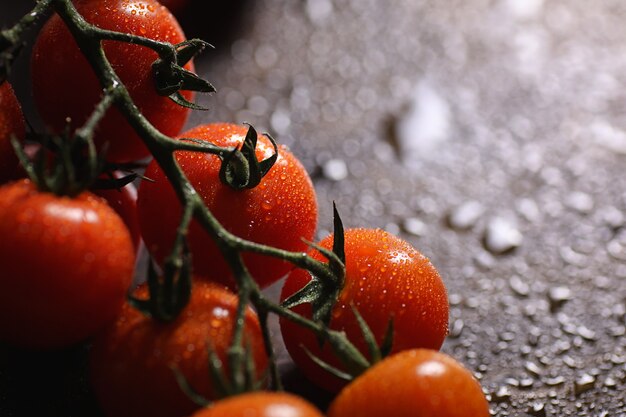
[67,262]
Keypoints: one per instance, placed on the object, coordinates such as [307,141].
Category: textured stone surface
[413,110]
[489,133]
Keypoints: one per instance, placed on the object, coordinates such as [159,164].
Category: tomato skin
[280,211]
[66,265]
[64,85]
[413,383]
[261,404]
[11,123]
[385,277]
[130,361]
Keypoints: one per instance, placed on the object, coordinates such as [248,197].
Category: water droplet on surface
[586,333]
[456,328]
[558,296]
[524,9]
[414,226]
[555,381]
[537,409]
[572,257]
[502,236]
[584,383]
[526,383]
[533,368]
[319,10]
[503,394]
[335,170]
[518,286]
[610,382]
[425,124]
[579,201]
[609,136]
[466,215]
[528,209]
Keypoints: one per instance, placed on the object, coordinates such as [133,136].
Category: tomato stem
[11,39]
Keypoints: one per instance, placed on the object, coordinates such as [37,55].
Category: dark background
[489,133]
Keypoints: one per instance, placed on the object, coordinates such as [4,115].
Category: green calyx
[64,165]
[171,78]
[322,292]
[169,294]
[225,382]
[68,164]
[353,360]
[241,168]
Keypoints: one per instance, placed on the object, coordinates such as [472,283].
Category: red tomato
[124,202]
[280,211]
[11,123]
[261,404]
[64,85]
[130,363]
[385,278]
[66,265]
[414,383]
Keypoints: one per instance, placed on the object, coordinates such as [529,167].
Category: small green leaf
[167,79]
[251,383]
[306,295]
[186,387]
[179,99]
[370,339]
[191,82]
[113,183]
[338,235]
[235,170]
[187,50]
[241,168]
[321,294]
[23,158]
[216,372]
[329,368]
[267,164]
[387,343]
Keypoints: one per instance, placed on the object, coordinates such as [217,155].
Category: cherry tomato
[66,265]
[64,85]
[280,211]
[131,362]
[11,123]
[385,278]
[414,383]
[124,202]
[261,404]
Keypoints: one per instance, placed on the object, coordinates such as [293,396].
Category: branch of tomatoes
[171,78]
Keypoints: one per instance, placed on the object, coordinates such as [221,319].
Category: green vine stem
[89,39]
[11,39]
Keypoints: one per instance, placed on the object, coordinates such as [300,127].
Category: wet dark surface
[489,133]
